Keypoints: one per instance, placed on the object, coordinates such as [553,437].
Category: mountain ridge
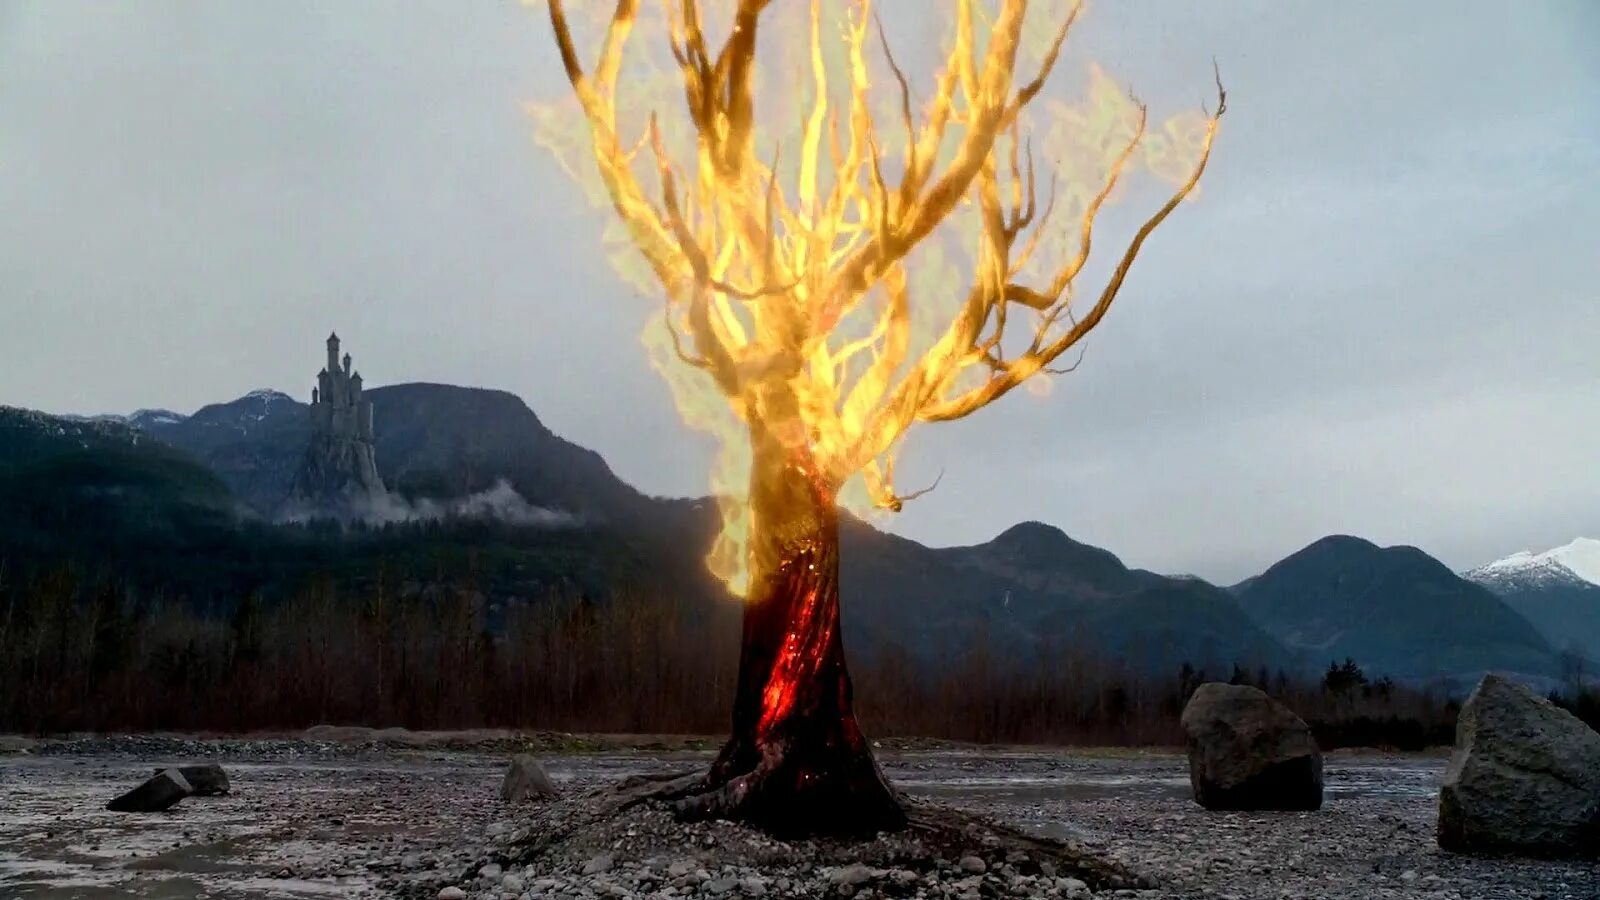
[1032,586]
[1325,598]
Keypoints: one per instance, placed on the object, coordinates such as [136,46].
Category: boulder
[1524,778]
[526,780]
[156,795]
[206,780]
[339,734]
[1248,751]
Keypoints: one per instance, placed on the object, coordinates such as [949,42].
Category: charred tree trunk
[796,762]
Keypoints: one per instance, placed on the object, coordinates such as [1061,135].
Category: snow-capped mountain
[146,418]
[142,419]
[1578,560]
[1557,590]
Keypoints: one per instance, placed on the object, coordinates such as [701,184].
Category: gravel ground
[407,817]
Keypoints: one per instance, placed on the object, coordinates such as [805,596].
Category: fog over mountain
[1378,319]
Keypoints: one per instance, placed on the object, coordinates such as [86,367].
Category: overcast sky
[1382,318]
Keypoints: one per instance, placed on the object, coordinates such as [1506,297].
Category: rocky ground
[362,814]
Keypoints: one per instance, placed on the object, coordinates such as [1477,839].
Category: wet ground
[320,824]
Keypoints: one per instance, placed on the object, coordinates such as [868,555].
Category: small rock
[599,864]
[973,864]
[512,883]
[452,893]
[1072,887]
[491,872]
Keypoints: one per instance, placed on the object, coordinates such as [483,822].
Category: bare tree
[788,285]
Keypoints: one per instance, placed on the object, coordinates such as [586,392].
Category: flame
[804,645]
[762,322]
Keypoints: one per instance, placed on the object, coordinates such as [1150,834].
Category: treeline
[84,655]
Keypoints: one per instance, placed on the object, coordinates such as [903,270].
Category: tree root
[948,832]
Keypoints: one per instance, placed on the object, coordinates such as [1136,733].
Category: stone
[158,794]
[512,884]
[338,734]
[1247,751]
[207,780]
[598,865]
[1524,778]
[973,864]
[1072,887]
[526,780]
[452,893]
[851,875]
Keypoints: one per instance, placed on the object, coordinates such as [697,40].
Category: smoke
[499,503]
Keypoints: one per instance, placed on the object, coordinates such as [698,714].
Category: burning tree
[788,274]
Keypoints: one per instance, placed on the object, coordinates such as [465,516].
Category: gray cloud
[1381,317]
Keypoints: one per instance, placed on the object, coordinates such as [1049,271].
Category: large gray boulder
[1524,778]
[156,795]
[1248,751]
[205,780]
[526,780]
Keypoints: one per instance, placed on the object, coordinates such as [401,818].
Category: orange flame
[767,240]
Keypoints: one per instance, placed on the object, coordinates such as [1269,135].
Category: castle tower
[339,475]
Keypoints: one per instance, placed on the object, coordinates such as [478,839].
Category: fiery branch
[792,287]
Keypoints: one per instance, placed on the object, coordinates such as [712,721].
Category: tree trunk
[796,762]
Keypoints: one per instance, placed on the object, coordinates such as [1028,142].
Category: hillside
[1031,593]
[1394,610]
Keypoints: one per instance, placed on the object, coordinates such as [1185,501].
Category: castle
[337,405]
[338,476]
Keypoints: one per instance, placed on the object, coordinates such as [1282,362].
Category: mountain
[1034,591]
[109,502]
[1041,557]
[146,419]
[1395,610]
[1577,561]
[139,418]
[254,443]
[433,441]
[438,440]
[109,495]
[1557,590]
[27,436]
